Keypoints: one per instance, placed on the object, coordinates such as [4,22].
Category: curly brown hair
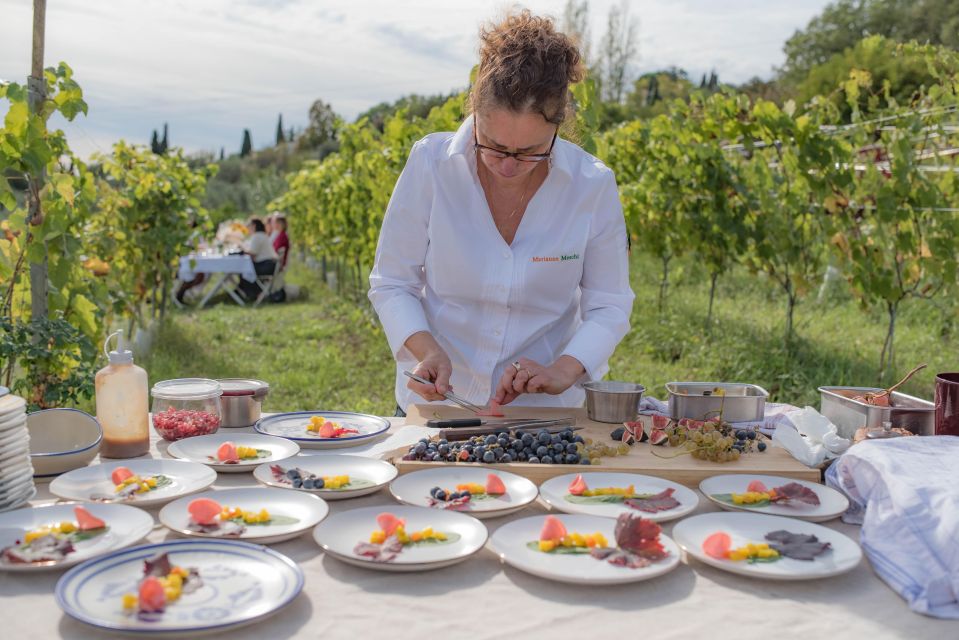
[526,65]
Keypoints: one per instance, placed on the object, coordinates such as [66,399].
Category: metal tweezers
[449,395]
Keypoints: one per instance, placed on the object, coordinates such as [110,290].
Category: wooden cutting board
[683,469]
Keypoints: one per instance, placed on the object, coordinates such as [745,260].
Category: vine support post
[37,94]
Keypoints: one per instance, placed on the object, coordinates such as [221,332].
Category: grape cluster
[720,443]
[542,447]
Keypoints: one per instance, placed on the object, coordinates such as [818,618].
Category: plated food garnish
[757,495]
[580,493]
[779,544]
[54,542]
[391,538]
[302,479]
[129,485]
[467,492]
[320,426]
[207,516]
[161,585]
[229,453]
[637,542]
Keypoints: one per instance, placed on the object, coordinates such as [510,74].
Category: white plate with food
[234,452]
[775,495]
[258,514]
[332,477]
[764,546]
[401,539]
[581,549]
[136,482]
[324,429]
[62,535]
[610,494]
[223,584]
[476,491]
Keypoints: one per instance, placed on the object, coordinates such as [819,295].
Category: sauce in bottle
[122,404]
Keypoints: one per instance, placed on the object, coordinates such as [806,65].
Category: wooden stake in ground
[37,87]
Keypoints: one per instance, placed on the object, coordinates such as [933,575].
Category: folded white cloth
[905,492]
[810,437]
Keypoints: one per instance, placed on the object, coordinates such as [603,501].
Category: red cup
[947,404]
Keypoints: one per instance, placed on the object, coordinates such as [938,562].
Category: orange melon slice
[553,529]
[578,486]
[120,474]
[328,430]
[757,486]
[227,452]
[388,523]
[152,597]
[494,485]
[86,520]
[717,545]
[204,510]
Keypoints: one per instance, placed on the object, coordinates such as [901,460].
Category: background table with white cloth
[483,598]
[221,267]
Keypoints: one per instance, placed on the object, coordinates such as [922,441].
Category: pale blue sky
[211,68]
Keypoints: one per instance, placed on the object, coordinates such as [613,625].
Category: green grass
[325,352]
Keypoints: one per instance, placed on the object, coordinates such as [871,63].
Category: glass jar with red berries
[186,407]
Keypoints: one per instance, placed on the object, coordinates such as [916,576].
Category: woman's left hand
[529,376]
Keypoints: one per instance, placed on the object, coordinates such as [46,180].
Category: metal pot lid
[187,389]
[244,387]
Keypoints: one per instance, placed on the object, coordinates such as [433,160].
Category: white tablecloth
[241,265]
[482,598]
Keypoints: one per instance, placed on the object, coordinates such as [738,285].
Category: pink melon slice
[494,485]
[204,510]
[388,523]
[553,529]
[327,430]
[120,474]
[493,411]
[152,597]
[86,520]
[717,545]
[578,486]
[758,486]
[227,452]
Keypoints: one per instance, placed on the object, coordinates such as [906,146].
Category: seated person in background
[281,240]
[272,229]
[258,247]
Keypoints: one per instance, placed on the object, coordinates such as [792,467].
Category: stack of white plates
[16,472]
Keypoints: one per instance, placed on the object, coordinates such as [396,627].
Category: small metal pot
[241,400]
[609,401]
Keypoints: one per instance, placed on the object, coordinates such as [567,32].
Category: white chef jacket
[441,266]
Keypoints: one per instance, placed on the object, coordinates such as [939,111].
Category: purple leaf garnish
[798,546]
[795,492]
[663,501]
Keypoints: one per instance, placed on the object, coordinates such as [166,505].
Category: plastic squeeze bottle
[122,404]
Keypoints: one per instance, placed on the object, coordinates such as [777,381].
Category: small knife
[457,423]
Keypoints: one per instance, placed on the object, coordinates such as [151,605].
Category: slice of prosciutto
[663,501]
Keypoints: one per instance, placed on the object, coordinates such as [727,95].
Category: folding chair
[266,283]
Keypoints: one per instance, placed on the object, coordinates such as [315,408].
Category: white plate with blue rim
[242,583]
[206,450]
[417,489]
[515,543]
[176,478]
[293,426]
[366,475]
[291,514]
[125,526]
[556,493]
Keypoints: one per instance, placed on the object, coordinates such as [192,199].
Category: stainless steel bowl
[736,402]
[241,401]
[609,401]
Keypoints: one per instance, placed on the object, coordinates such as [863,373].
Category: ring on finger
[517,366]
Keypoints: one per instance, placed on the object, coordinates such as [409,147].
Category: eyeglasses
[498,154]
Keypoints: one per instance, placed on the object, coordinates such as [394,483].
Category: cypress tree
[247,147]
[164,144]
[155,143]
[280,136]
[222,154]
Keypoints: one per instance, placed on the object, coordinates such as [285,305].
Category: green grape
[623,449]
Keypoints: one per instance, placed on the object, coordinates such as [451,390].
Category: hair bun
[526,65]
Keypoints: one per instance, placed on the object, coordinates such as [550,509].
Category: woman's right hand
[434,365]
